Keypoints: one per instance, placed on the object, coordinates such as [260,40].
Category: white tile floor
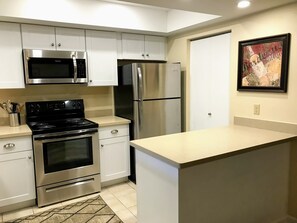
[121,198]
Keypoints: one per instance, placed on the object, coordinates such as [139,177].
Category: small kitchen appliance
[66,150]
[55,67]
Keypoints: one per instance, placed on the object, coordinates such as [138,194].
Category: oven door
[65,156]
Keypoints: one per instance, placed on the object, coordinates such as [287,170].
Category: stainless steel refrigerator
[149,94]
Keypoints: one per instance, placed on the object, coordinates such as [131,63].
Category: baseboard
[113,182]
[18,206]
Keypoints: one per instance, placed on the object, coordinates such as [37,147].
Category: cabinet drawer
[113,131]
[15,144]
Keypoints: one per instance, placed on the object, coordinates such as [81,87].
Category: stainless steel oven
[66,150]
[66,163]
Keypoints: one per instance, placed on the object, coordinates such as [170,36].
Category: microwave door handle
[75,68]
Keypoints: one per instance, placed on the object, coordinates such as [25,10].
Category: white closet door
[209,82]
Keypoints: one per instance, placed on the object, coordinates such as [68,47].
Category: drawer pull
[102,146]
[9,146]
[115,131]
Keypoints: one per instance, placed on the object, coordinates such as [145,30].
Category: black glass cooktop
[56,116]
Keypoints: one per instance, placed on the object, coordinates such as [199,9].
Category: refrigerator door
[156,81]
[156,117]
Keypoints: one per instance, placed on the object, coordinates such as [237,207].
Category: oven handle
[59,135]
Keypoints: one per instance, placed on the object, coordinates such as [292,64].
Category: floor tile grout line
[127,208]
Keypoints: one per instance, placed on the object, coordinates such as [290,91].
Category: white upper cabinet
[143,47]
[11,64]
[155,47]
[102,58]
[51,38]
[70,39]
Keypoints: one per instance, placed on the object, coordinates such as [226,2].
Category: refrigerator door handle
[140,84]
[140,113]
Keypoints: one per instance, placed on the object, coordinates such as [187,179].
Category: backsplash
[98,101]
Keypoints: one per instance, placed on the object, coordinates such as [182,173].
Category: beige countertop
[191,148]
[22,130]
[109,121]
[7,131]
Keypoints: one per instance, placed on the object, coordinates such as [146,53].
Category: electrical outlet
[257,109]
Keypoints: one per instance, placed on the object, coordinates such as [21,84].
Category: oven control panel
[52,107]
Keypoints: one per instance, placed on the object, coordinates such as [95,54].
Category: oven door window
[67,154]
[50,68]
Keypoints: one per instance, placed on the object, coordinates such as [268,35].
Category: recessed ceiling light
[243,4]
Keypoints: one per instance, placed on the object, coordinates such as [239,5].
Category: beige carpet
[91,211]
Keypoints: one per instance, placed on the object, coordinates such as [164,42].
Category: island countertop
[194,147]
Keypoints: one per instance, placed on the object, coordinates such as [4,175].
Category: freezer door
[157,117]
[156,80]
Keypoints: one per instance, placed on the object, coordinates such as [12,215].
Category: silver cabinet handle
[115,131]
[9,146]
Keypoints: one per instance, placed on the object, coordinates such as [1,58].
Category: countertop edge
[237,152]
[223,155]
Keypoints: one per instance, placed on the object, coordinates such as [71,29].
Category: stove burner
[78,121]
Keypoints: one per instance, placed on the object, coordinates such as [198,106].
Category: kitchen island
[224,175]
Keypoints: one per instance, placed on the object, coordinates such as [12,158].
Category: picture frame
[263,64]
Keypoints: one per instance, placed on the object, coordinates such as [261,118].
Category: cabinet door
[70,39]
[11,64]
[38,37]
[114,158]
[210,82]
[16,178]
[155,47]
[102,58]
[133,46]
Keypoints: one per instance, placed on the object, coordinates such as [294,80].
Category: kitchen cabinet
[114,152]
[53,38]
[102,58]
[11,63]
[17,171]
[143,47]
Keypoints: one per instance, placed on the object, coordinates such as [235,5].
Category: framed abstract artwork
[263,64]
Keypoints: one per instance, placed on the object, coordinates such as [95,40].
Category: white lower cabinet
[114,152]
[17,182]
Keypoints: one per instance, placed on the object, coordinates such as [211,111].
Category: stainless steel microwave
[55,67]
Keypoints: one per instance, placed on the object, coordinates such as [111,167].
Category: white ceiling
[227,9]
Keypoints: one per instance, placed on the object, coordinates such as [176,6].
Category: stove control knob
[73,105]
